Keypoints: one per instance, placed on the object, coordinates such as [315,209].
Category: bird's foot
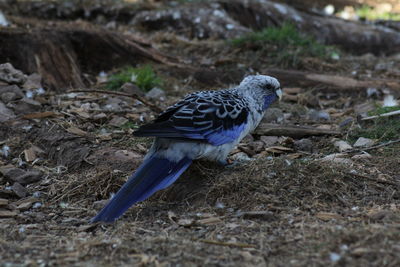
[228,163]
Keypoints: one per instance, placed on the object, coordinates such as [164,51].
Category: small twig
[134,96]
[388,114]
[226,244]
[372,147]
[373,179]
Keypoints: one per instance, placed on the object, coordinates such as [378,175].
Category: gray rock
[269,140]
[19,190]
[273,115]
[257,146]
[11,75]
[342,145]
[132,89]
[21,176]
[10,92]
[33,81]
[156,94]
[303,145]
[5,113]
[317,115]
[26,105]
[364,142]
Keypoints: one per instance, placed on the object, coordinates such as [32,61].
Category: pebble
[364,142]
[342,145]
[156,94]
[303,145]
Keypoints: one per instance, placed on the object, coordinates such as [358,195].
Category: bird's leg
[229,163]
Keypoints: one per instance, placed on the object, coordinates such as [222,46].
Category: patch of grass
[382,110]
[286,45]
[369,13]
[144,77]
[383,129]
[130,125]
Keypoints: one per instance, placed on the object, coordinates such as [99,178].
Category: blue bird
[203,125]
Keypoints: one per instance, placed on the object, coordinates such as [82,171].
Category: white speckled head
[261,85]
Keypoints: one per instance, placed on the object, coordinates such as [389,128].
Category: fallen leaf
[40,115]
[77,131]
[326,216]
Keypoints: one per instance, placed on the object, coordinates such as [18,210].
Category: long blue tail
[154,174]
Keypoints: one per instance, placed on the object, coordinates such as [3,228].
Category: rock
[337,158]
[317,115]
[364,142]
[257,146]
[34,81]
[156,94]
[21,176]
[10,75]
[5,113]
[273,115]
[303,145]
[26,105]
[342,145]
[248,139]
[19,190]
[269,140]
[125,155]
[132,89]
[10,92]
[193,21]
[365,155]
[346,122]
[118,121]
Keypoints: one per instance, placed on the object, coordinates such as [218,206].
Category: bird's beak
[279,93]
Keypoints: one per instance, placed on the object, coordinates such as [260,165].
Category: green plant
[144,77]
[286,45]
[383,129]
[369,13]
[381,110]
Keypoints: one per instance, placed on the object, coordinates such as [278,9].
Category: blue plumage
[205,125]
[153,175]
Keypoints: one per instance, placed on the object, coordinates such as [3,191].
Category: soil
[286,206]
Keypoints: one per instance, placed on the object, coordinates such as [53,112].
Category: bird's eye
[268,86]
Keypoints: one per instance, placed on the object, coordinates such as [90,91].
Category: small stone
[99,116]
[5,113]
[317,115]
[257,146]
[342,145]
[118,121]
[273,115]
[156,93]
[27,105]
[21,176]
[269,140]
[362,156]
[346,122]
[19,190]
[34,81]
[303,145]
[132,89]
[364,142]
[11,75]
[337,158]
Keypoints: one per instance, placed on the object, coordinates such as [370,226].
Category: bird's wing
[216,117]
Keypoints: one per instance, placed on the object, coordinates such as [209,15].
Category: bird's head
[261,86]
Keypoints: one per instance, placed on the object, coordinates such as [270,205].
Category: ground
[284,204]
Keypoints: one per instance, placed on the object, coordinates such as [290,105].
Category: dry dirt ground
[283,207]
